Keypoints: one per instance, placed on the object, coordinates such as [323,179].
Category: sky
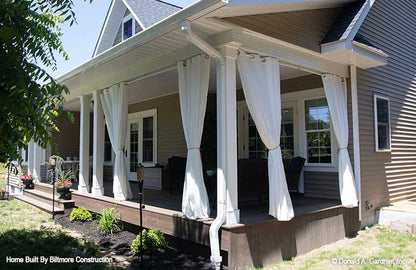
[79,40]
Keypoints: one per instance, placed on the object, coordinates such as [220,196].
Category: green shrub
[80,214]
[152,241]
[109,221]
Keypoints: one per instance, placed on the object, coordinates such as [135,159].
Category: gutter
[216,258]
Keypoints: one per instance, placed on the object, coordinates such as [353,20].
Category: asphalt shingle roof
[152,11]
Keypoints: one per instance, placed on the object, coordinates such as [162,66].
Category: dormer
[125,18]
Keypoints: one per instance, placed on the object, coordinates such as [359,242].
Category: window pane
[383,124]
[148,151]
[134,145]
[256,148]
[317,114]
[107,146]
[319,147]
[128,29]
[287,134]
[382,111]
[383,137]
[148,127]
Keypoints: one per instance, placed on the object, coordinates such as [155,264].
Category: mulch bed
[118,247]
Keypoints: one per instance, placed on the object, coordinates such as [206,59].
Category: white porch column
[227,131]
[30,157]
[84,144]
[98,147]
[36,161]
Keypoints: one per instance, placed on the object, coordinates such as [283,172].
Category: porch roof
[159,47]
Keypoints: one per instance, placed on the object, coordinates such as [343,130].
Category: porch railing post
[84,144]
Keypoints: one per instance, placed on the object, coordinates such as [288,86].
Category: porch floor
[251,211]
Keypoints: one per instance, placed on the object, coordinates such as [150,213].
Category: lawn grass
[377,242]
[27,231]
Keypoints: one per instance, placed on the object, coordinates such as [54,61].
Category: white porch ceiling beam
[288,54]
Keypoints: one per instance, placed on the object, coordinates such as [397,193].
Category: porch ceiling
[166,83]
[161,46]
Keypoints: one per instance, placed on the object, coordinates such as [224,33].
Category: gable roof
[145,12]
[151,11]
[345,22]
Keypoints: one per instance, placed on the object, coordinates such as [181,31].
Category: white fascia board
[134,15]
[237,3]
[159,29]
[354,53]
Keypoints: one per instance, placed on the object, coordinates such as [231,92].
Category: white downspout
[216,258]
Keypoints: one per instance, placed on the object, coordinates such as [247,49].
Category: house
[335,78]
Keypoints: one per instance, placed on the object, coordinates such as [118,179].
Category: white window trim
[298,98]
[140,116]
[133,26]
[378,96]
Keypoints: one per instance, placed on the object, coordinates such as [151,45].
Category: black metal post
[52,161]
[140,180]
[141,221]
[53,194]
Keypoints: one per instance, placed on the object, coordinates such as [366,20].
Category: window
[382,123]
[128,27]
[287,136]
[108,151]
[148,139]
[142,139]
[318,131]
[256,148]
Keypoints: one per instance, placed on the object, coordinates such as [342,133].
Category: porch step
[38,204]
[43,187]
[47,198]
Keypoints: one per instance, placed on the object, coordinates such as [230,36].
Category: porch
[139,98]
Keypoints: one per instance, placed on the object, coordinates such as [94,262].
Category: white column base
[83,189]
[97,191]
[233,217]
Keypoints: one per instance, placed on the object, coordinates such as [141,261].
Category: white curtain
[114,101]
[193,91]
[336,94]
[261,85]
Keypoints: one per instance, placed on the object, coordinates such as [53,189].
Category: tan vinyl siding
[389,177]
[303,28]
[170,136]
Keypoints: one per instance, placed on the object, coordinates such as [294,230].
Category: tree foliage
[30,99]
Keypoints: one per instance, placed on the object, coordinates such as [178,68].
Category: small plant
[64,179]
[153,240]
[2,191]
[109,221]
[80,214]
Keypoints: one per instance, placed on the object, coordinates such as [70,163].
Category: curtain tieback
[274,148]
[343,148]
[194,148]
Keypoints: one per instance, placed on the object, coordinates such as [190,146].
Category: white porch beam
[84,144]
[227,131]
[288,54]
[98,147]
